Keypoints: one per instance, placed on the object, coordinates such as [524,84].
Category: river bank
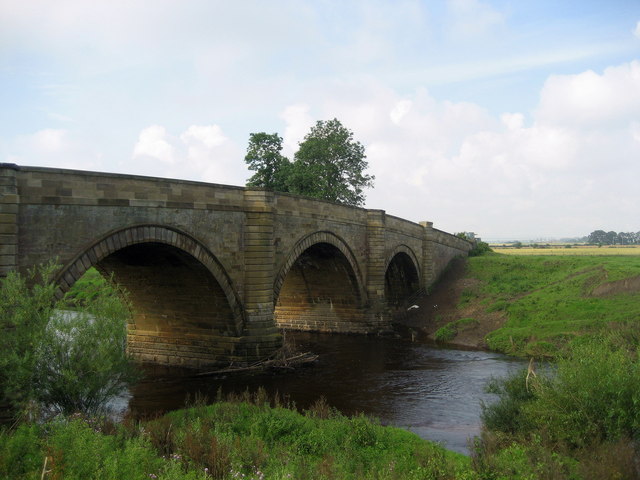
[441,306]
[528,305]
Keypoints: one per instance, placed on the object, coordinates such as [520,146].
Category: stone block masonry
[9,202]
[216,271]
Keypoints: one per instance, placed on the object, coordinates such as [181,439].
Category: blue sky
[513,119]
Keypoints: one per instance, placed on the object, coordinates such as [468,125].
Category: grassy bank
[546,300]
[227,440]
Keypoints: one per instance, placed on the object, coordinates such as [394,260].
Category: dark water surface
[434,392]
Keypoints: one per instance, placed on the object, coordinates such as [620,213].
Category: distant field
[573,250]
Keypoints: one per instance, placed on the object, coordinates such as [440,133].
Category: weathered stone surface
[215,271]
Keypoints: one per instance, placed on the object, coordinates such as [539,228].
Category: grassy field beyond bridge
[545,300]
[568,249]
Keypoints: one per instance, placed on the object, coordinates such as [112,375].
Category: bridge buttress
[259,253]
[376,264]
[9,201]
[428,248]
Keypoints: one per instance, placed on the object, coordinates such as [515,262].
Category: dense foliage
[228,440]
[264,157]
[329,164]
[600,237]
[576,419]
[61,354]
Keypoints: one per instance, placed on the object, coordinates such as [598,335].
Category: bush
[594,394]
[480,249]
[579,419]
[61,354]
[507,415]
[20,452]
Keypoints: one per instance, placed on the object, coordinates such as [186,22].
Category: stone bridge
[215,272]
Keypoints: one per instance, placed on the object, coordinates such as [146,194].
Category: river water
[434,392]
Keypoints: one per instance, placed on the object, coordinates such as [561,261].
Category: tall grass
[579,419]
[228,440]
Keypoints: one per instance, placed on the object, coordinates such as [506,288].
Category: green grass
[548,299]
[451,329]
[228,440]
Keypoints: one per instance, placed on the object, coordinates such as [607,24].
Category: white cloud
[51,147]
[590,99]
[298,121]
[50,140]
[454,163]
[153,142]
[202,152]
[472,18]
[635,131]
[209,136]
[636,31]
[400,110]
[513,121]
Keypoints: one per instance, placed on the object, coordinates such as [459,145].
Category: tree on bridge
[329,164]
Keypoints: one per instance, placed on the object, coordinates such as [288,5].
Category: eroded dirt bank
[442,305]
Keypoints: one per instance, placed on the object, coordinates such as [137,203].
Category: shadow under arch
[319,287]
[402,276]
[138,235]
[402,248]
[307,242]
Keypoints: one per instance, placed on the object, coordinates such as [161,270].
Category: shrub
[65,355]
[579,419]
[507,414]
[594,394]
[20,452]
[480,249]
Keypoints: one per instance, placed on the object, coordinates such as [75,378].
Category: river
[434,392]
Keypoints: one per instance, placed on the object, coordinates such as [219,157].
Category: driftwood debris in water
[271,364]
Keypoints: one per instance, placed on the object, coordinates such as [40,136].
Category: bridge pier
[376,268]
[261,335]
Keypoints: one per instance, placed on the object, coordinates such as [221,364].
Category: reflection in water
[431,391]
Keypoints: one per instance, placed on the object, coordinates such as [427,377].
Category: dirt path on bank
[441,307]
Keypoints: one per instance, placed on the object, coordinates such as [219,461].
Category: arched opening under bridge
[320,292]
[401,282]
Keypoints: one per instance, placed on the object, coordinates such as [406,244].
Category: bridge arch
[132,239]
[310,240]
[402,275]
[319,286]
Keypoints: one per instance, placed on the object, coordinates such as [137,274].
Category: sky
[513,119]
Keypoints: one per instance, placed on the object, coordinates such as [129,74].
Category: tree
[264,157]
[64,355]
[329,164]
[612,238]
[597,237]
